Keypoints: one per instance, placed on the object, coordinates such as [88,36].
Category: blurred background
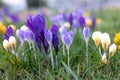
[21,8]
[20,5]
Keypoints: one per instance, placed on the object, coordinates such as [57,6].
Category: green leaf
[70,71]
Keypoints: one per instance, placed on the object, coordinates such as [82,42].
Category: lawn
[29,67]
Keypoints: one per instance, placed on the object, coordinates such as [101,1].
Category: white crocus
[105,40]
[96,37]
[6,45]
[104,59]
[67,25]
[12,42]
[112,50]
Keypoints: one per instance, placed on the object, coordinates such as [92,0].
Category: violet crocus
[93,22]
[25,34]
[9,32]
[48,37]
[14,17]
[82,22]
[86,34]
[36,24]
[67,40]
[55,38]
[58,19]
[63,31]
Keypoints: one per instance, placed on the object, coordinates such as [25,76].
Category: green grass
[28,68]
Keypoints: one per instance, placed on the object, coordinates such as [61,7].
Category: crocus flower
[10,45]
[88,22]
[67,25]
[117,40]
[25,34]
[9,32]
[48,36]
[86,33]
[14,17]
[58,19]
[6,45]
[36,24]
[105,40]
[98,21]
[93,22]
[13,27]
[12,42]
[82,22]
[112,50]
[67,40]
[96,37]
[55,38]
[70,19]
[104,58]
[2,28]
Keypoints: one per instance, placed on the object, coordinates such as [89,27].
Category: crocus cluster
[105,40]
[9,42]
[75,19]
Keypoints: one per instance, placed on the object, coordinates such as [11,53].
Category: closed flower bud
[12,42]
[96,37]
[104,59]
[6,44]
[112,50]
[105,40]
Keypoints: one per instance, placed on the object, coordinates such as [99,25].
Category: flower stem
[63,49]
[52,60]
[68,55]
[87,53]
[100,52]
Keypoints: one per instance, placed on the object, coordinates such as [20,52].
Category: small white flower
[112,50]
[67,25]
[96,37]
[104,59]
[24,27]
[12,42]
[105,40]
[6,44]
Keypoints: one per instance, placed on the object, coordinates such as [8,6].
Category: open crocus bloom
[112,50]
[105,40]
[96,37]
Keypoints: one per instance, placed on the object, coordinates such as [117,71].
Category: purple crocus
[9,32]
[93,22]
[70,19]
[55,38]
[58,19]
[67,39]
[14,17]
[86,33]
[25,34]
[48,36]
[82,22]
[36,24]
